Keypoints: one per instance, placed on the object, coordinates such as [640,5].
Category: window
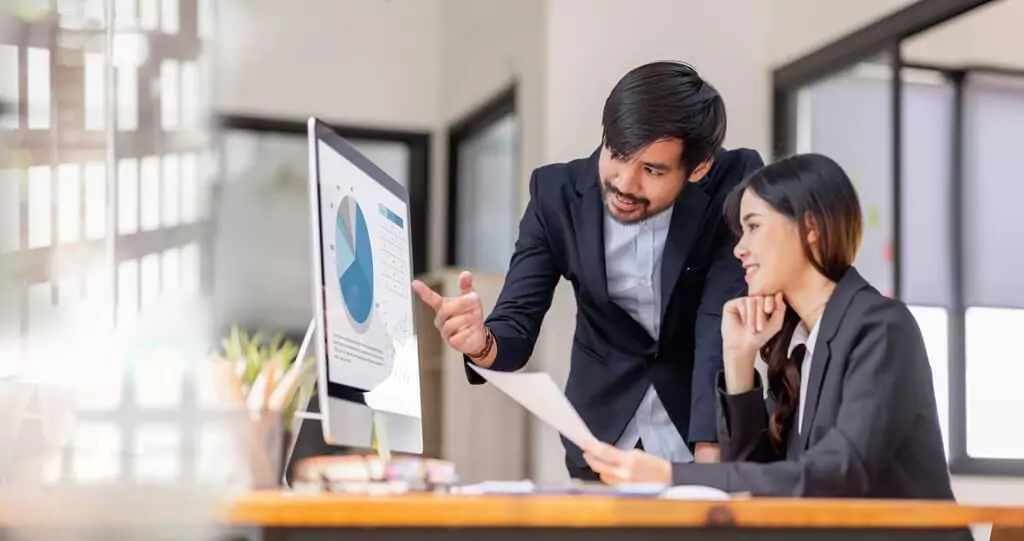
[170,272]
[107,232]
[149,274]
[10,92]
[190,95]
[125,14]
[149,190]
[40,311]
[169,16]
[994,367]
[38,88]
[127,291]
[128,196]
[149,16]
[993,118]
[483,196]
[40,205]
[10,210]
[959,128]
[158,381]
[847,117]
[69,210]
[95,200]
[171,190]
[170,94]
[157,454]
[934,324]
[95,91]
[205,19]
[127,98]
[190,268]
[926,257]
[189,188]
[97,452]
[10,331]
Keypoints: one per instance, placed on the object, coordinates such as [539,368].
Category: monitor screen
[369,334]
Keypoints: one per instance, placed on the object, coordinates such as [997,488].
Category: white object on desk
[498,487]
[694,492]
[539,394]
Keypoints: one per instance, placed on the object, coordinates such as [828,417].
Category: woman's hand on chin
[747,325]
[634,466]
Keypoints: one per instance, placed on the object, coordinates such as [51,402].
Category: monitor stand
[380,435]
[300,415]
[311,412]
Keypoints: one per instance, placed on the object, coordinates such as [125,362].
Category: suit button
[642,281]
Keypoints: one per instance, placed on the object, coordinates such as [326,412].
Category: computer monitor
[365,335]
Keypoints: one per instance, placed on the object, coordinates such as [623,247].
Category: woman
[852,410]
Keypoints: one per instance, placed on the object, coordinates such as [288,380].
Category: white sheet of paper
[539,394]
[695,492]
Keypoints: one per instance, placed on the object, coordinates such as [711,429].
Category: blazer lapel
[588,215]
[819,364]
[831,319]
[687,218]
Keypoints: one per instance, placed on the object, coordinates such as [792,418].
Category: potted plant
[269,367]
[270,383]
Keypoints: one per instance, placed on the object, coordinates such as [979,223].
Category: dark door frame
[885,36]
[494,109]
[419,166]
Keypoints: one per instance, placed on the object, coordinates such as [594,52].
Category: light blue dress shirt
[633,255]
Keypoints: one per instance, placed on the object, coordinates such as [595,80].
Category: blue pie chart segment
[355,261]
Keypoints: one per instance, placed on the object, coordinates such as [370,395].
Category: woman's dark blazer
[870,426]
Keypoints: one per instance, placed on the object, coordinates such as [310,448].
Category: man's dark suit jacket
[870,425]
[614,359]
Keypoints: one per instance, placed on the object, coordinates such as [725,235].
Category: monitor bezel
[321,132]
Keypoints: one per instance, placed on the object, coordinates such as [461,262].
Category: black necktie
[799,352]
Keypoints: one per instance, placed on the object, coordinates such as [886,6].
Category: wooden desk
[424,517]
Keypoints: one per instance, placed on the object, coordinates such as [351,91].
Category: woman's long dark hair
[813,191]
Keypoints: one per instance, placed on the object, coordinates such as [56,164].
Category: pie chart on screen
[355,262]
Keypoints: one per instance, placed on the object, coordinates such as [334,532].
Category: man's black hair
[664,100]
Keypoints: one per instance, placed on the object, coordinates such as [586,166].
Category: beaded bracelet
[486,350]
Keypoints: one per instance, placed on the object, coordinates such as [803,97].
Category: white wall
[991,35]
[353,61]
[593,43]
[486,47]
[360,62]
[801,26]
[988,35]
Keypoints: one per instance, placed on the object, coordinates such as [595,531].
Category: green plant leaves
[250,354]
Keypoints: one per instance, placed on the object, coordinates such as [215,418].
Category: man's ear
[701,171]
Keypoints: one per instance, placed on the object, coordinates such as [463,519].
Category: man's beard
[643,205]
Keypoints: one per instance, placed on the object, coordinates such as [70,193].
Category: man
[637,228]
